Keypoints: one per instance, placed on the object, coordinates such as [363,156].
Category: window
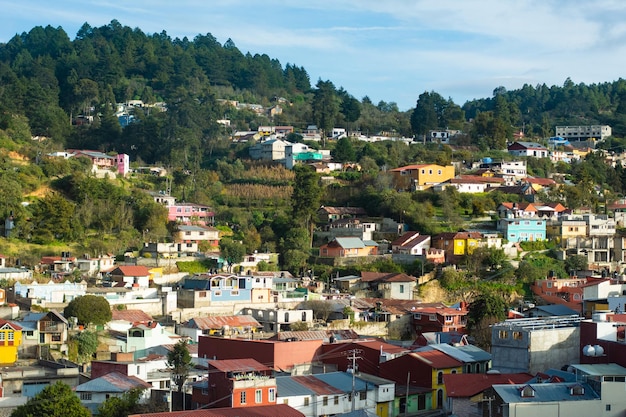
[187,233]
[527,391]
[258,396]
[218,293]
[417,316]
[432,317]
[234,293]
[202,294]
[401,288]
[439,172]
[304,316]
[439,377]
[608,407]
[306,401]
[56,337]
[205,391]
[363,395]
[517,335]
[242,397]
[503,334]
[271,395]
[448,319]
[85,396]
[2,336]
[336,399]
[325,401]
[430,171]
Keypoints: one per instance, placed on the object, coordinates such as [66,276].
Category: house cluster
[101,163]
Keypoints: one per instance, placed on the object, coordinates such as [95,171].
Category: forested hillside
[47,79]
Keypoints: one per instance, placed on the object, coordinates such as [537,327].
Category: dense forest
[48,79]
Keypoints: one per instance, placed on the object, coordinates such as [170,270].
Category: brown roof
[238,365]
[218,322]
[402,240]
[472,179]
[368,276]
[278,410]
[317,335]
[131,316]
[344,210]
[468,385]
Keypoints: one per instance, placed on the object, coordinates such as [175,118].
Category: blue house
[222,287]
[522,229]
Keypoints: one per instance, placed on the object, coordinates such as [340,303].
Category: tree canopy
[56,400]
[179,363]
[89,309]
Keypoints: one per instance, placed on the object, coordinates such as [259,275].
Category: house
[456,244]
[191,213]
[190,234]
[471,183]
[411,243]
[522,229]
[511,171]
[535,344]
[295,356]
[10,341]
[39,330]
[328,214]
[421,177]
[203,290]
[440,319]
[331,394]
[531,149]
[298,153]
[372,353]
[513,210]
[346,247]
[141,336]
[135,276]
[422,369]
[387,285]
[236,383]
[50,292]
[214,325]
[540,183]
[95,267]
[351,227]
[564,291]
[94,393]
[474,359]
[122,320]
[552,310]
[466,392]
[278,319]
[277,410]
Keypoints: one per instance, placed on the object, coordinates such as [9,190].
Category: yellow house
[456,244]
[421,177]
[10,341]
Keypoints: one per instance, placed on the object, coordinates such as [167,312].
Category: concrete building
[584,133]
[535,344]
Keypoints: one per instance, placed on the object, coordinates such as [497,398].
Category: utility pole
[353,357]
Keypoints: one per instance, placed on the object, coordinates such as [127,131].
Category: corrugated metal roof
[437,359]
[468,385]
[218,322]
[112,382]
[553,392]
[318,386]
[131,316]
[238,365]
[287,386]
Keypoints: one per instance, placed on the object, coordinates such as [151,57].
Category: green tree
[325,106]
[485,310]
[56,400]
[232,251]
[305,199]
[89,309]
[576,263]
[128,404]
[428,113]
[179,363]
[87,344]
[344,151]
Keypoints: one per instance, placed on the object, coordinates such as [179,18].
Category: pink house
[190,213]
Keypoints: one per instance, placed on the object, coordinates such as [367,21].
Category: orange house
[236,383]
[346,247]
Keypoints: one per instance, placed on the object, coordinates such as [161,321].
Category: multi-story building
[522,229]
[590,235]
[584,133]
[236,383]
[440,319]
[190,213]
[456,244]
[421,177]
[535,344]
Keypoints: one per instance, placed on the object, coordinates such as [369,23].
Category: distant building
[584,133]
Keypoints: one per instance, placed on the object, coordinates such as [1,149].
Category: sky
[390,50]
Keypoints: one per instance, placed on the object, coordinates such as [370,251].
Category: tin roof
[277,410]
[218,322]
[238,365]
[131,316]
[553,392]
[112,382]
[468,385]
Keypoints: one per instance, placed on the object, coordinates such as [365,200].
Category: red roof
[132,271]
[402,240]
[541,181]
[367,276]
[468,385]
[238,365]
[10,323]
[409,167]
[277,410]
[436,359]
[382,346]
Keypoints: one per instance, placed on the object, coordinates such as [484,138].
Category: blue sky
[391,50]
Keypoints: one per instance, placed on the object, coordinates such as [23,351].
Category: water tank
[487,160]
[599,350]
[589,351]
